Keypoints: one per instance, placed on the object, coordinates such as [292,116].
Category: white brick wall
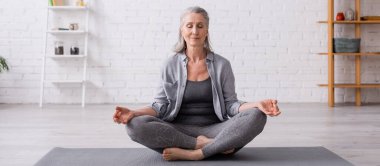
[271,44]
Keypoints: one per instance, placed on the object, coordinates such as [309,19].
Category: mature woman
[196,113]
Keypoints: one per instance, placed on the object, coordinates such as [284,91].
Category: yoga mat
[257,156]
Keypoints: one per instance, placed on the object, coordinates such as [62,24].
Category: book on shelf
[59,2]
[80,3]
[56,2]
[367,18]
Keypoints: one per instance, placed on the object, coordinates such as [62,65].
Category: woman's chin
[195,45]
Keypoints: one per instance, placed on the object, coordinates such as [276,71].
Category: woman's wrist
[249,105]
[136,113]
[255,105]
[144,111]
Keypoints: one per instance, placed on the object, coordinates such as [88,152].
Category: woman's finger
[275,106]
[130,117]
[266,112]
[116,112]
[125,119]
[117,120]
[122,120]
[274,101]
[122,109]
[271,114]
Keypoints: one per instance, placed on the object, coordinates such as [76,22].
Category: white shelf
[65,56]
[67,8]
[67,32]
[66,81]
[53,14]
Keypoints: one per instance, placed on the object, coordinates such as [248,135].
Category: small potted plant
[3,65]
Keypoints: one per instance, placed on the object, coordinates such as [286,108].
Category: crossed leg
[196,143]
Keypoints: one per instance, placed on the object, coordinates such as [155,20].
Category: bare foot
[202,141]
[171,154]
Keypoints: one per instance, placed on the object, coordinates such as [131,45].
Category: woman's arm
[227,81]
[268,106]
[145,111]
[234,106]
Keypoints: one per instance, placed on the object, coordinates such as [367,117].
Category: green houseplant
[3,65]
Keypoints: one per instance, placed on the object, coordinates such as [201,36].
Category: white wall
[272,45]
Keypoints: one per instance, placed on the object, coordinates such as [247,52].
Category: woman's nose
[195,30]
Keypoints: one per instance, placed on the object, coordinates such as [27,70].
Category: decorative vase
[340,16]
[350,15]
[58,50]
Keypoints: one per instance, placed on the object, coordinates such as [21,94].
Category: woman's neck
[195,54]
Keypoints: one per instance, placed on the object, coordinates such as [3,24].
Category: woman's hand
[123,115]
[269,107]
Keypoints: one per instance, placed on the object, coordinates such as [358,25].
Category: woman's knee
[139,120]
[258,118]
[256,113]
[137,126]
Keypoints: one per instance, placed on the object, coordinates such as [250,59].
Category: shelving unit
[331,85]
[353,22]
[63,32]
[66,33]
[67,7]
[67,81]
[65,56]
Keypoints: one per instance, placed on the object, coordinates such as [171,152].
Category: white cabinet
[61,26]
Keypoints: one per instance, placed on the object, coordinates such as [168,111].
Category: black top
[197,104]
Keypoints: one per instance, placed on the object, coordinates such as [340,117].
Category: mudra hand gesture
[123,115]
[269,107]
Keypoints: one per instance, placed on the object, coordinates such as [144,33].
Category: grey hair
[180,46]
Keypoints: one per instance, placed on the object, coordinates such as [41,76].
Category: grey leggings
[234,133]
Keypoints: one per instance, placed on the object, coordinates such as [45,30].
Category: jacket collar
[183,57]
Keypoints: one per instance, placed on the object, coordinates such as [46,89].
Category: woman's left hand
[269,107]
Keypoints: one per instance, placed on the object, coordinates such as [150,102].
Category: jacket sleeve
[166,94]
[161,102]
[231,102]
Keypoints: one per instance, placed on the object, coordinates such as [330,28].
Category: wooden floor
[28,132]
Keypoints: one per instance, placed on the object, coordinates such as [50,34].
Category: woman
[196,113]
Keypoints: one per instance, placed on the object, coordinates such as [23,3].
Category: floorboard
[27,132]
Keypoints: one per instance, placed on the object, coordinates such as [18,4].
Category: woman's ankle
[202,141]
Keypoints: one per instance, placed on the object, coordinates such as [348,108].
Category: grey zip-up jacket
[170,92]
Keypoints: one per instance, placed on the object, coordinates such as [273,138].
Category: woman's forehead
[194,18]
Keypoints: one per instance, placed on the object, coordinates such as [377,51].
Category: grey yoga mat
[257,156]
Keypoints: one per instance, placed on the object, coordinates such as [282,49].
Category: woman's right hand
[269,107]
[123,115]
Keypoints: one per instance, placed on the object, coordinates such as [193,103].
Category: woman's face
[194,30]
